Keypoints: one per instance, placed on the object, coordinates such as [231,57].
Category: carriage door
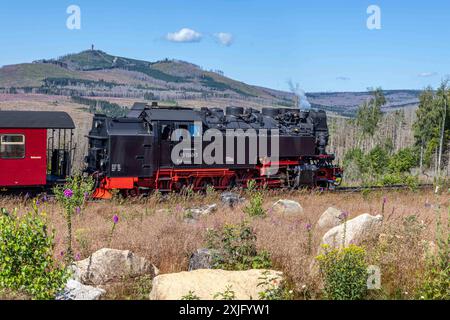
[165,144]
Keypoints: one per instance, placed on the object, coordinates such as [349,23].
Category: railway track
[371,188]
[355,189]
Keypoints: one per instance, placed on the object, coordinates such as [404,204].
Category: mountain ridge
[96,73]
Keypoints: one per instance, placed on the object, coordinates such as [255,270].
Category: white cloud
[224,38]
[184,35]
[427,74]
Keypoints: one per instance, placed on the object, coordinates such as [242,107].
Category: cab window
[12,146]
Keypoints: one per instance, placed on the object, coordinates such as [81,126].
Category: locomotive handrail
[97,137]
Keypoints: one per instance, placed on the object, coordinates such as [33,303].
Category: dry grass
[167,239]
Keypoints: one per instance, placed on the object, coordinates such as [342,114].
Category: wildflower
[115,219]
[308,226]
[44,198]
[78,210]
[61,253]
[86,195]
[38,202]
[77,257]
[343,215]
[68,193]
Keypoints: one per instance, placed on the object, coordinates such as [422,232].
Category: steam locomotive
[171,148]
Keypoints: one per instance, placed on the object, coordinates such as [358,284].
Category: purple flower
[116,219]
[343,215]
[38,202]
[61,253]
[86,195]
[308,227]
[77,257]
[68,193]
[384,200]
[77,210]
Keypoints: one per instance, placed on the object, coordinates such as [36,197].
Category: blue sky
[323,45]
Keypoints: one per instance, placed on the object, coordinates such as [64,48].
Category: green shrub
[255,206]
[377,160]
[436,284]
[274,290]
[26,257]
[190,296]
[234,248]
[228,294]
[403,161]
[344,272]
[73,195]
[391,179]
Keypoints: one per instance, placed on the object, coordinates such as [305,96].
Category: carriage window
[12,146]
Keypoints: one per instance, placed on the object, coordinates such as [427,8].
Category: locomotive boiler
[171,148]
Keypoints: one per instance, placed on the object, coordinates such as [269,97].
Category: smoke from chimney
[301,101]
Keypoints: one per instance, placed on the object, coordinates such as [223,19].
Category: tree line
[395,147]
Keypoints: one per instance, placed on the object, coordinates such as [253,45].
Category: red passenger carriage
[36,148]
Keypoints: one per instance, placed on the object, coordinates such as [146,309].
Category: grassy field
[157,229]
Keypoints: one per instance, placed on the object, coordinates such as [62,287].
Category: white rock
[231,198]
[287,207]
[75,290]
[106,264]
[330,218]
[196,213]
[356,230]
[205,283]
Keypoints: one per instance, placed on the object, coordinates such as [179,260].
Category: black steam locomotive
[171,148]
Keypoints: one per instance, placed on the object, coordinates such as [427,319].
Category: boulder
[231,199]
[330,218]
[287,207]
[206,283]
[202,259]
[106,264]
[196,213]
[75,290]
[362,227]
